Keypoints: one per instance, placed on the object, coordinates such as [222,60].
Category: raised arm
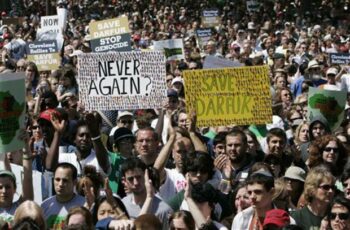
[27,183]
[101,151]
[191,126]
[147,205]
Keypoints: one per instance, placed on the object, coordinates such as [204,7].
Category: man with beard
[236,152]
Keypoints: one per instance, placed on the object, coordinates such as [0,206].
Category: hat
[317,27]
[313,64]
[251,26]
[177,79]
[123,114]
[47,114]
[240,31]
[76,53]
[277,122]
[297,122]
[332,70]
[277,32]
[136,37]
[9,174]
[327,37]
[277,217]
[122,133]
[296,173]
[172,93]
[278,56]
[3,13]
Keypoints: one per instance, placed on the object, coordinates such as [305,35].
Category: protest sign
[339,58]
[122,81]
[12,111]
[203,36]
[110,35]
[172,48]
[212,62]
[211,18]
[44,54]
[328,104]
[37,183]
[229,96]
[12,21]
[50,29]
[253,6]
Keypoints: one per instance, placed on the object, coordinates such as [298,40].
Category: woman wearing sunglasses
[339,214]
[328,150]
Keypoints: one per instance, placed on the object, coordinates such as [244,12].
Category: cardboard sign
[339,58]
[212,62]
[211,18]
[229,96]
[110,35]
[12,111]
[203,36]
[44,54]
[122,81]
[51,29]
[328,104]
[172,48]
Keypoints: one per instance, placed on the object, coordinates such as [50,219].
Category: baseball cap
[122,133]
[313,64]
[177,79]
[172,93]
[123,114]
[277,217]
[295,173]
[47,114]
[76,53]
[332,70]
[9,174]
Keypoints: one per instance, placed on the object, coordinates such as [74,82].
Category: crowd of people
[155,168]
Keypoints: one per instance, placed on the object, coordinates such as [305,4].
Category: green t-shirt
[114,178]
[306,219]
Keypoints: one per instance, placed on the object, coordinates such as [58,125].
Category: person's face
[198,176]
[76,219]
[63,182]
[54,85]
[285,96]
[258,196]
[7,191]
[219,149]
[178,224]
[36,130]
[346,185]
[145,143]
[318,130]
[83,139]
[135,181]
[330,152]
[252,148]
[304,133]
[105,210]
[29,73]
[177,86]
[276,145]
[125,146]
[182,120]
[235,148]
[66,81]
[181,147]
[47,129]
[169,79]
[242,200]
[125,121]
[280,82]
[340,217]
[325,191]
[292,184]
[173,103]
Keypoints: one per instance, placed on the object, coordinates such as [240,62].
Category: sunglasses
[327,187]
[126,121]
[341,216]
[35,127]
[329,149]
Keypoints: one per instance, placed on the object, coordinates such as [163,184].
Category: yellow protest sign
[229,96]
[109,27]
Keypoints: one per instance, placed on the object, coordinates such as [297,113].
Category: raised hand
[58,125]
[149,186]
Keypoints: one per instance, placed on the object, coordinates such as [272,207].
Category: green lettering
[229,104]
[200,109]
[211,107]
[246,101]
[223,82]
[220,104]
[206,84]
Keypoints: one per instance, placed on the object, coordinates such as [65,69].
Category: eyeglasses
[341,216]
[126,121]
[35,127]
[327,187]
[169,80]
[329,149]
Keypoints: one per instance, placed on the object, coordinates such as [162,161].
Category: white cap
[123,114]
[75,53]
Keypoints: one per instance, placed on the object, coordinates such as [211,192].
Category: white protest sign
[50,29]
[212,62]
[173,48]
[122,81]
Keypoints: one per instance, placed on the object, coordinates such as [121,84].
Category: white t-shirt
[174,183]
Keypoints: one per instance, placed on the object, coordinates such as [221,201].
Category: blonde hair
[30,209]
[313,180]
[280,189]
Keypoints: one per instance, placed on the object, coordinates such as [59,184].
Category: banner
[212,62]
[44,54]
[110,35]
[12,111]
[203,36]
[229,96]
[253,6]
[339,58]
[172,48]
[51,29]
[328,104]
[211,18]
[122,81]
